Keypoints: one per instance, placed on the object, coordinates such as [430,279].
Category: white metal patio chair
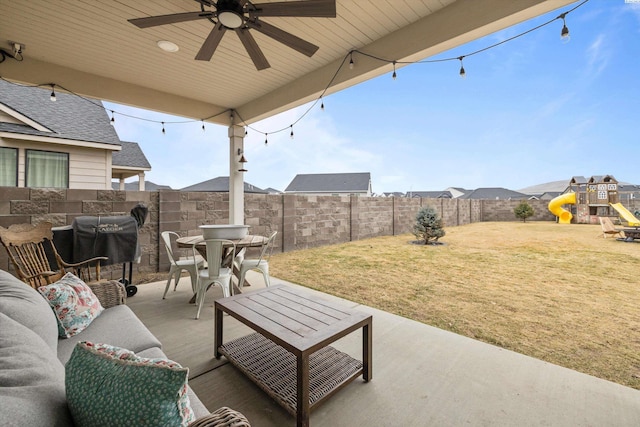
[215,273]
[261,264]
[189,264]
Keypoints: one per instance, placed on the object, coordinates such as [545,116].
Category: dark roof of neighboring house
[494,193]
[70,117]
[131,155]
[330,182]
[221,185]
[271,190]
[133,186]
[432,194]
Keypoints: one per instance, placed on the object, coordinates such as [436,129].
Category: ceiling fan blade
[254,51]
[308,8]
[153,21]
[211,43]
[294,42]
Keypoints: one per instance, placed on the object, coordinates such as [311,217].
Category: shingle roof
[131,155]
[133,186]
[494,193]
[221,185]
[330,182]
[432,194]
[70,117]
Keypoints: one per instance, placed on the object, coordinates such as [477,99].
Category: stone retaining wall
[301,221]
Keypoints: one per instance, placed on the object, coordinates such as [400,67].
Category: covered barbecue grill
[114,237]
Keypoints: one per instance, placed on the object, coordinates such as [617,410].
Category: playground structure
[589,200]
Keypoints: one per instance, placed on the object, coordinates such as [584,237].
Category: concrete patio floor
[422,376]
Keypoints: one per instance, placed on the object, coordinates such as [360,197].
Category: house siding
[88,168]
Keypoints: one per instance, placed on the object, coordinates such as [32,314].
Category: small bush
[428,226]
[523,211]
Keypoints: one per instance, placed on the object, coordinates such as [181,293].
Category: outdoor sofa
[33,358]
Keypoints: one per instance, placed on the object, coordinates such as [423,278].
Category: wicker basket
[110,292]
[223,417]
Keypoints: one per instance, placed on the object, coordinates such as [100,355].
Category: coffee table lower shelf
[273,369]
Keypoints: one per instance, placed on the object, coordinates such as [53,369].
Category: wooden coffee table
[289,356]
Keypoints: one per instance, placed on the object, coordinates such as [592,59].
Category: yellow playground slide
[555,206]
[632,221]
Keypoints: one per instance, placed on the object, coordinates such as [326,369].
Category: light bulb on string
[266,140]
[203,126]
[351,63]
[394,75]
[463,73]
[291,134]
[113,119]
[163,131]
[321,104]
[564,33]
[53,93]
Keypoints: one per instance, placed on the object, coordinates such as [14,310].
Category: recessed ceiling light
[168,46]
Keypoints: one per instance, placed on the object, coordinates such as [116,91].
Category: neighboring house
[68,143]
[457,191]
[135,186]
[431,194]
[393,194]
[272,190]
[130,161]
[547,187]
[221,185]
[334,184]
[494,193]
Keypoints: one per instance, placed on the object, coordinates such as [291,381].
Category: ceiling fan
[242,16]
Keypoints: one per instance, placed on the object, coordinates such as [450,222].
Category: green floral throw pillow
[111,386]
[74,304]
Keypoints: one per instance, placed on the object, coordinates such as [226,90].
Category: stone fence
[301,221]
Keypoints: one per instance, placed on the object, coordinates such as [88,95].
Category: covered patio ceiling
[89,48]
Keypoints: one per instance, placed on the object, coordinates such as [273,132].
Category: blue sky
[530,111]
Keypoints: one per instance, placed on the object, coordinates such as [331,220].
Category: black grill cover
[115,237]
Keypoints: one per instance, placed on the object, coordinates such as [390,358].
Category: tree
[523,211]
[428,226]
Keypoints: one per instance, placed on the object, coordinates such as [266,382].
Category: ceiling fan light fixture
[167,46]
[231,19]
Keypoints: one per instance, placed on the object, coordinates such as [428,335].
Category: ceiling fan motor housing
[230,13]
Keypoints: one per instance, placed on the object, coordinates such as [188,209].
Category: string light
[266,140]
[113,119]
[463,73]
[347,59]
[564,33]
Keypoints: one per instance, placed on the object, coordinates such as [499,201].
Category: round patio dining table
[248,241]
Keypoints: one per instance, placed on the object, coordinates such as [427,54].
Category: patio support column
[236,178]
[141,181]
[121,182]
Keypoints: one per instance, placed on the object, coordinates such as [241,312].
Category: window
[47,169]
[8,167]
